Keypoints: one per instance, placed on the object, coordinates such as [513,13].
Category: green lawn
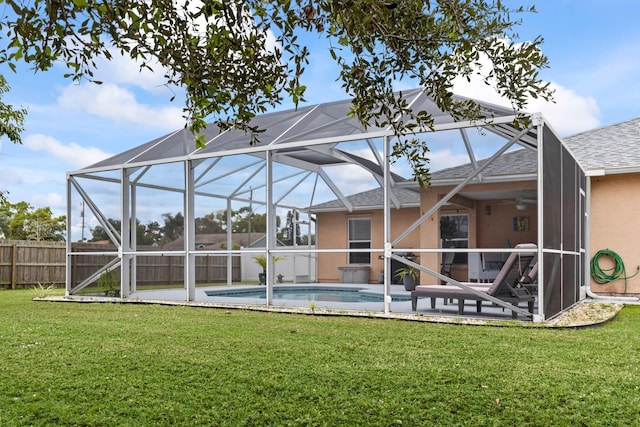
[130,364]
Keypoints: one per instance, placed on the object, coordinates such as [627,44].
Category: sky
[593,47]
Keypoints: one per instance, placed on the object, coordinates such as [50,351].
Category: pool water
[308,293]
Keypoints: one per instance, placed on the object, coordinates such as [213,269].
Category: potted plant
[261,260]
[409,276]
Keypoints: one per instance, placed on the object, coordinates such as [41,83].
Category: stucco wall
[332,234]
[614,219]
[495,230]
[485,230]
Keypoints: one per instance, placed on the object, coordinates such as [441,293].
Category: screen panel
[570,198]
[552,191]
[552,284]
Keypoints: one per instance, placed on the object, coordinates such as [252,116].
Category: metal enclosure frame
[308,139]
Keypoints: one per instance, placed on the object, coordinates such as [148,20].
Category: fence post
[14,265]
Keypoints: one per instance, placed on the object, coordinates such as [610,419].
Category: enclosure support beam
[540,196]
[347,204]
[230,242]
[124,251]
[469,148]
[114,263]
[459,187]
[271,225]
[68,242]
[376,154]
[134,239]
[108,227]
[386,182]
[189,233]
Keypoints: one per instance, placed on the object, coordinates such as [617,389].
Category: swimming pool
[308,293]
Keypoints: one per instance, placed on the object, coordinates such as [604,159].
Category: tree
[42,225]
[244,220]
[11,123]
[11,120]
[291,228]
[145,234]
[173,227]
[153,233]
[220,53]
[211,223]
[12,217]
[98,233]
[20,221]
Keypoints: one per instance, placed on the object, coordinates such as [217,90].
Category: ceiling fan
[520,202]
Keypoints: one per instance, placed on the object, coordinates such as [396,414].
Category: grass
[130,364]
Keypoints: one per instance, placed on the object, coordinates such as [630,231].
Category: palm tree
[173,226]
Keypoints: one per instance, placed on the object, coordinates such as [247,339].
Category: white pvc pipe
[611,298]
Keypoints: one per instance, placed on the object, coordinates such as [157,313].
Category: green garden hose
[617,272]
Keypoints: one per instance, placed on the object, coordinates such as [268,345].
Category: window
[454,232]
[359,238]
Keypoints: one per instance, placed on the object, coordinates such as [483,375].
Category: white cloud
[115,103]
[571,112]
[122,69]
[351,179]
[10,176]
[71,153]
[36,184]
[443,159]
[55,201]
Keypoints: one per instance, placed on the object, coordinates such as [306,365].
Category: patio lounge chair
[518,268]
[447,263]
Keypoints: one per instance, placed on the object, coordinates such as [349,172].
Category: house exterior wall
[332,234]
[430,235]
[493,228]
[496,230]
[614,213]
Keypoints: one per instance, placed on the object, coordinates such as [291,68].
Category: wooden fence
[26,263]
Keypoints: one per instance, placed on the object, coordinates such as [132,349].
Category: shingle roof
[514,163]
[371,199]
[610,147]
[615,146]
[518,162]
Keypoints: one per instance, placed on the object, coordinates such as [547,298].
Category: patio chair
[507,286]
[530,280]
[447,263]
[477,271]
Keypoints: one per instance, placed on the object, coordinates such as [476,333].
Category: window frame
[359,257]
[460,258]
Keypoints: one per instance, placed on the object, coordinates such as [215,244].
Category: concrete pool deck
[402,307]
[587,313]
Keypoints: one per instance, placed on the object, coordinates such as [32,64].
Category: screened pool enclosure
[178,222]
